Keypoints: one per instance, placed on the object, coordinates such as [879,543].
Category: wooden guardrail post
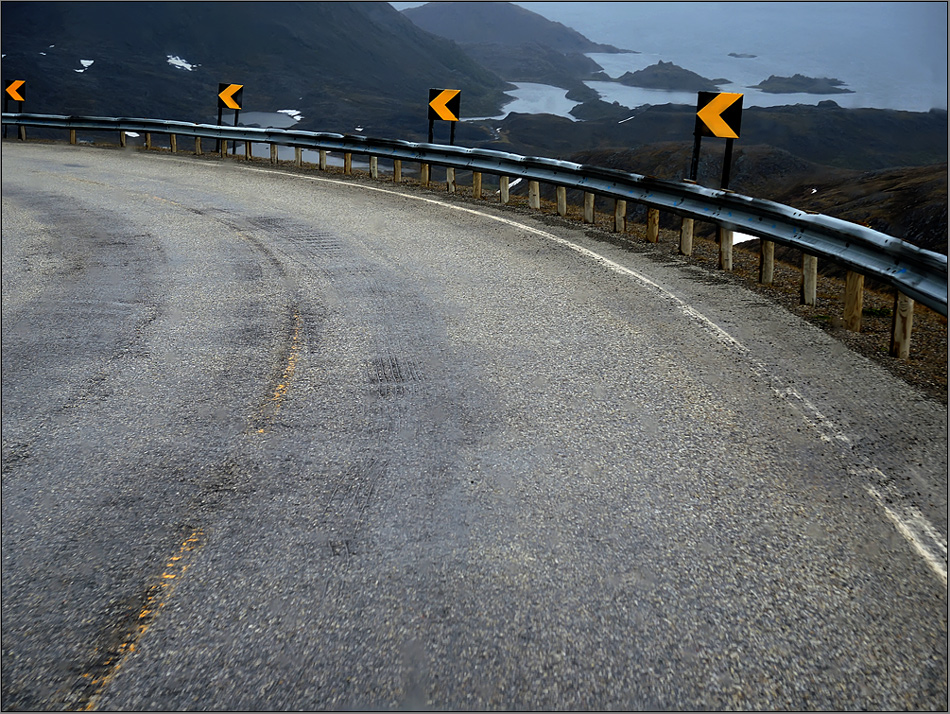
[72,136]
[248,151]
[347,163]
[853,300]
[686,230]
[424,174]
[21,133]
[562,201]
[503,189]
[686,237]
[273,153]
[198,146]
[620,215]
[323,159]
[477,184]
[809,288]
[298,156]
[725,249]
[588,207]
[766,261]
[223,143]
[653,225]
[901,325]
[397,170]
[534,195]
[123,140]
[148,140]
[173,143]
[450,180]
[374,167]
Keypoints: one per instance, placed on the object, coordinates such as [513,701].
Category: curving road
[275,440]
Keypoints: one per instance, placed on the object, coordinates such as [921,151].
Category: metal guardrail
[920,274]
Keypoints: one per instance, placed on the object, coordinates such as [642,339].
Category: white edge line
[904,527]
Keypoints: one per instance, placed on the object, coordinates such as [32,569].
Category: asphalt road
[285,441]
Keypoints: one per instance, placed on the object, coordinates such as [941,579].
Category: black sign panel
[719,114]
[444,104]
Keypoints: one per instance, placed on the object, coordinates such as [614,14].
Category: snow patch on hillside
[178,63]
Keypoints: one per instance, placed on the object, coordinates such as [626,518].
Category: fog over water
[892,55]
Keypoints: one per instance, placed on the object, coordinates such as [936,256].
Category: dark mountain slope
[500,23]
[516,44]
[535,62]
[339,63]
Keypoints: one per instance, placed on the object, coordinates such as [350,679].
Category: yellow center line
[157,597]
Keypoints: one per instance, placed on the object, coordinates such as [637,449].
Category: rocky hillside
[341,64]
[516,44]
[499,23]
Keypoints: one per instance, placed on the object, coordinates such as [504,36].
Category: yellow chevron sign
[13,89]
[720,114]
[229,95]
[444,104]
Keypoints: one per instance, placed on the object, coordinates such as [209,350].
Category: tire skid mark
[392,376]
[344,515]
[126,637]
[310,248]
[98,386]
[291,331]
[96,233]
[267,413]
[315,245]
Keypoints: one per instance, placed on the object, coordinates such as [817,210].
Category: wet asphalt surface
[272,442]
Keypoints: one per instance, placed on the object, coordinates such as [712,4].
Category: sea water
[892,55]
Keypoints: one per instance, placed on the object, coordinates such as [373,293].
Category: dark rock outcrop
[800,84]
[666,75]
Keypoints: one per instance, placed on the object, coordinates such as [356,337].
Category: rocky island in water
[666,75]
[800,84]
